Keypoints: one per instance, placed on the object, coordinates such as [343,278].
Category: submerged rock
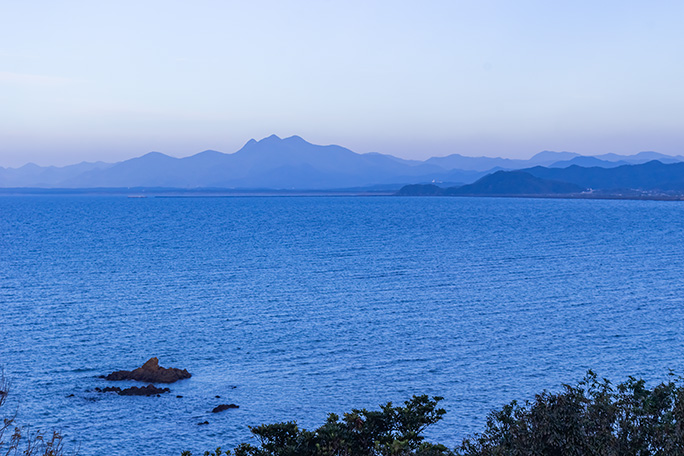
[203,423]
[149,390]
[150,372]
[109,389]
[223,407]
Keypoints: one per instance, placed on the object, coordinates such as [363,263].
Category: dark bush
[592,418]
[391,431]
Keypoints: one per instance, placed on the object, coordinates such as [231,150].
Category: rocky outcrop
[150,372]
[109,389]
[223,407]
[149,390]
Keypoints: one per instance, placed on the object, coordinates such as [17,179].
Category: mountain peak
[155,154]
[208,154]
[550,155]
[271,138]
[295,138]
[30,165]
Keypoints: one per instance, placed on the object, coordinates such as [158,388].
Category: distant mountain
[32,175]
[587,162]
[515,183]
[642,157]
[290,163]
[547,157]
[614,160]
[461,162]
[421,190]
[500,183]
[652,175]
[293,164]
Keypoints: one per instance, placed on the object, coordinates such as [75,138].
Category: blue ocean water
[294,307]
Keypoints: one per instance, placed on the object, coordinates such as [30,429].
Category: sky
[84,80]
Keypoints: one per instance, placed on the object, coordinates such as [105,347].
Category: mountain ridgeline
[648,179]
[271,163]
[295,164]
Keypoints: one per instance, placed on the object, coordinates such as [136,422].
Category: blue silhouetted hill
[500,183]
[652,175]
[271,163]
[588,162]
[421,190]
[514,183]
[292,163]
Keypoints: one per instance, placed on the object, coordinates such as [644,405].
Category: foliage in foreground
[389,431]
[593,418]
[17,441]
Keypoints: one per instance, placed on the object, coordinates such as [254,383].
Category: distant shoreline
[143,193]
[154,192]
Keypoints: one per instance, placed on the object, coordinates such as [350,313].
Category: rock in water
[223,407]
[151,372]
[149,390]
[108,389]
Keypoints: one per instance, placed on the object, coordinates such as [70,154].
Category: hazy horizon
[531,155]
[82,81]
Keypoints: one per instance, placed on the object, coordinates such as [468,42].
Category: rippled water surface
[293,307]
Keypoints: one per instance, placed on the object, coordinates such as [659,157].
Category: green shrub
[391,431]
[592,418]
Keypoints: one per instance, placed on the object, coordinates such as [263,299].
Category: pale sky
[110,80]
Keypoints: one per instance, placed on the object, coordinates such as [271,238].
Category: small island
[150,372]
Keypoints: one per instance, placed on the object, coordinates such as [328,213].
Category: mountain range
[652,178]
[295,164]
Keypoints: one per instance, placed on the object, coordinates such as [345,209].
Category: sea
[296,307]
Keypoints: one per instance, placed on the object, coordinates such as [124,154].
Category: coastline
[147,192]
